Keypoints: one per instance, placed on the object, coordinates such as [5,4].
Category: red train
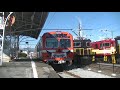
[103,47]
[55,47]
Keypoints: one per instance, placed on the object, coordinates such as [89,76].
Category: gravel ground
[64,75]
[106,69]
[88,74]
[83,72]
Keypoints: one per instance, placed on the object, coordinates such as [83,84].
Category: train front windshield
[53,43]
[65,43]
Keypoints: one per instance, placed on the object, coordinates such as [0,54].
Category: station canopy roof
[27,23]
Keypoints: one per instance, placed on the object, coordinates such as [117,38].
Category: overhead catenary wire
[38,29]
[51,19]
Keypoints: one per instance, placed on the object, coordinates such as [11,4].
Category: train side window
[1,20]
[106,44]
[101,45]
[88,44]
[77,44]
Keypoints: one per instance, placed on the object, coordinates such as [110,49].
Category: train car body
[107,50]
[82,47]
[104,49]
[56,47]
[82,51]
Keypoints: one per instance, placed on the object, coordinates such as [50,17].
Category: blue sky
[96,21]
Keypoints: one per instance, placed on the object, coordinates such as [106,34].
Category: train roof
[109,39]
[57,32]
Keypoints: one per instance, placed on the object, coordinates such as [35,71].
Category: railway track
[84,73]
[63,71]
[76,72]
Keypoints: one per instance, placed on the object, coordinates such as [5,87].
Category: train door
[79,51]
[117,44]
[117,41]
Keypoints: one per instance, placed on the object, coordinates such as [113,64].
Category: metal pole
[3,35]
[2,41]
[10,41]
[113,61]
[99,67]
[113,67]
[112,34]
[88,60]
[17,46]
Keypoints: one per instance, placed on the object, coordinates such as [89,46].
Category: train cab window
[77,44]
[106,44]
[64,43]
[101,45]
[88,44]
[118,41]
[51,43]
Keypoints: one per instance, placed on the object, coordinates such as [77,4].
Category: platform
[25,70]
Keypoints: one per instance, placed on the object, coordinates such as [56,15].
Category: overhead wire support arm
[38,29]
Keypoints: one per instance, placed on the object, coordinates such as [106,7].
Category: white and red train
[104,47]
[55,47]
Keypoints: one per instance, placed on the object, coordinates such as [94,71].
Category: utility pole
[112,34]
[79,27]
[80,31]
[80,34]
